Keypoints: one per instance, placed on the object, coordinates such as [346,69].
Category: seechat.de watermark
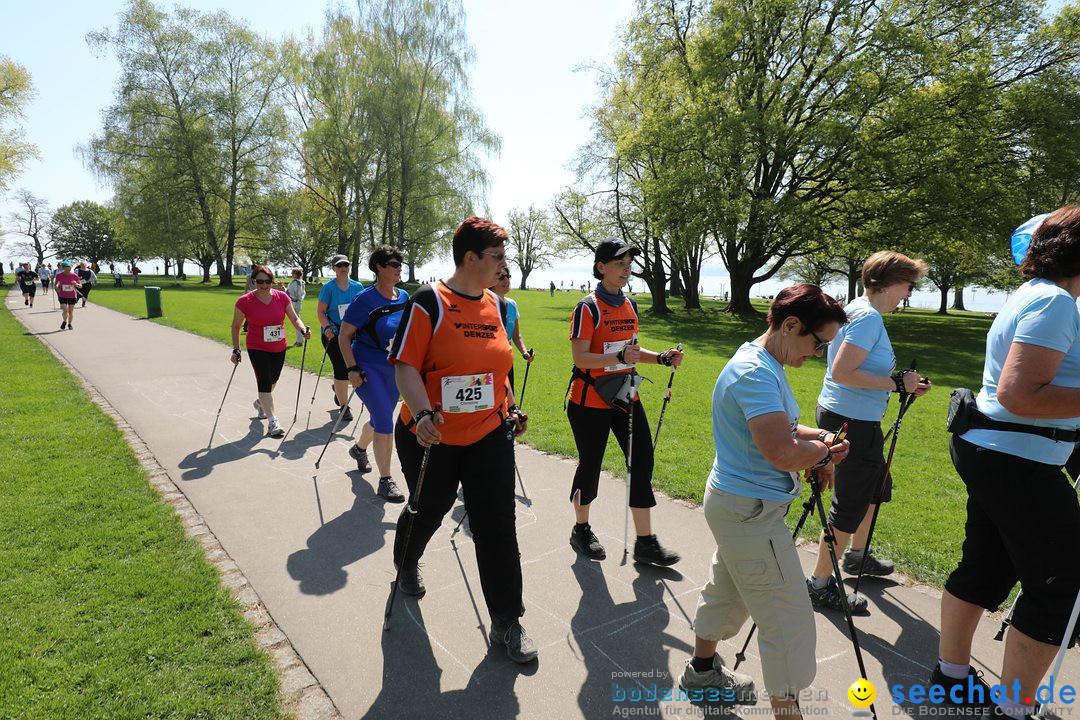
[972,693]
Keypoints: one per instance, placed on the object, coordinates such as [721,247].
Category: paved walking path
[315,545]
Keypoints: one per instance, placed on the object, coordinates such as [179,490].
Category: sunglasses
[342,265]
[499,257]
[503,277]
[261,281]
[821,344]
[392,263]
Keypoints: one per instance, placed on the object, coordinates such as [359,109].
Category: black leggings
[333,351]
[591,427]
[485,471]
[267,367]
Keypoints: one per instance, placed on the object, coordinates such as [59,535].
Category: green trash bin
[153,301]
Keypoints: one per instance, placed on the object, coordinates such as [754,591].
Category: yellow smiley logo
[862,693]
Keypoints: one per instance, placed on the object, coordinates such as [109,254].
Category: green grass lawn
[922,529]
[107,608]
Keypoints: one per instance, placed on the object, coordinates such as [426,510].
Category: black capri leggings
[267,367]
[858,478]
[591,427]
[1023,523]
[333,351]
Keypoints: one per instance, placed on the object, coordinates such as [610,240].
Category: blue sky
[524,80]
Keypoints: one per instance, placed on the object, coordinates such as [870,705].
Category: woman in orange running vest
[603,338]
[451,357]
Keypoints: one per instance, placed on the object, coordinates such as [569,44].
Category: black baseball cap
[613,248]
[339,260]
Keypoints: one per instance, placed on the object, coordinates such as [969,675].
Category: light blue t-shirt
[1039,313]
[337,300]
[751,384]
[864,329]
[511,319]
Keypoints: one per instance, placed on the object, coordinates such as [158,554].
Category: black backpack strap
[427,298]
[375,316]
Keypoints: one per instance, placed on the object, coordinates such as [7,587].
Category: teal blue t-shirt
[1039,313]
[337,300]
[511,319]
[864,329]
[752,383]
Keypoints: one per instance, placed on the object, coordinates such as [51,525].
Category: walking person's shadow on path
[615,639]
[412,677]
[200,463]
[354,534]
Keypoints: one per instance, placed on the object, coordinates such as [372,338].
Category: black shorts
[28,289]
[85,289]
[1023,523]
[68,301]
[267,367]
[858,478]
[333,351]
[45,283]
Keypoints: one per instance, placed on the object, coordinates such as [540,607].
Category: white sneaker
[275,430]
[733,687]
[258,408]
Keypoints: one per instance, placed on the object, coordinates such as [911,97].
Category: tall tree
[532,241]
[31,221]
[16,90]
[84,230]
[431,130]
[195,95]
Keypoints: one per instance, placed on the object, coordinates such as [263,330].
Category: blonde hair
[297,272]
[888,267]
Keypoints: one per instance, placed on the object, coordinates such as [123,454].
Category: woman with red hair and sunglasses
[264,309]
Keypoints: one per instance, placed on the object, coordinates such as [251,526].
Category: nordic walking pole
[410,510]
[227,386]
[303,354]
[815,487]
[629,463]
[333,430]
[667,399]
[318,377]
[525,382]
[906,400]
[808,506]
[1007,620]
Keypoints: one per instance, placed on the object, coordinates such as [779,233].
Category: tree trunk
[943,309]
[691,281]
[958,298]
[167,265]
[741,284]
[179,267]
[852,281]
[524,277]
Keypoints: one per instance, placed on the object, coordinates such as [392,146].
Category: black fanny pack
[965,415]
[612,389]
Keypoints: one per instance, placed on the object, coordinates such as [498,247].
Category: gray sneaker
[275,430]
[873,566]
[733,687]
[519,646]
[258,408]
[361,458]
[388,490]
[829,597]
